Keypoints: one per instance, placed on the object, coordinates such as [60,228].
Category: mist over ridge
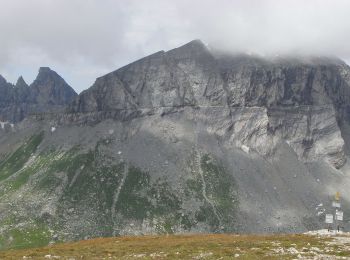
[110,34]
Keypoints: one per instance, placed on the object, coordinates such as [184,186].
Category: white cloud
[83,39]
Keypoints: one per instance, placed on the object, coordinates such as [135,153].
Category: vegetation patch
[219,246]
[97,196]
[217,189]
[17,160]
[34,236]
[133,201]
[141,199]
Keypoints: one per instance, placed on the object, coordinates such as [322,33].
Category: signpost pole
[338,215]
[337,206]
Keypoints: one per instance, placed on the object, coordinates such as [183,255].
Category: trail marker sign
[329,218]
[339,215]
[337,196]
[335,204]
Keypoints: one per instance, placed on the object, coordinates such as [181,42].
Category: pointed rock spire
[49,87]
[45,73]
[21,83]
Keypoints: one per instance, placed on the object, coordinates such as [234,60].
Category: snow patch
[245,148]
[4,123]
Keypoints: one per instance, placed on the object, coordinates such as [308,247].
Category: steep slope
[187,140]
[6,93]
[313,93]
[48,93]
[172,79]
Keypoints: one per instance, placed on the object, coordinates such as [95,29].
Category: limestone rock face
[187,140]
[48,93]
[295,100]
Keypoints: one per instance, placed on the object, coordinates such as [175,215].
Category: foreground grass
[190,247]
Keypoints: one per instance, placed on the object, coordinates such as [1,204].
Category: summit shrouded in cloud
[84,39]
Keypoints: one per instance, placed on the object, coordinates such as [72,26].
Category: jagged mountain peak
[50,88]
[2,80]
[49,92]
[44,69]
[194,44]
[45,73]
[49,78]
[194,75]
[193,49]
[21,82]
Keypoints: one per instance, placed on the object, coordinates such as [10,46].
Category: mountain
[48,93]
[265,91]
[21,83]
[188,140]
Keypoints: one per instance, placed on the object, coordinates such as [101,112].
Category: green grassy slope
[61,195]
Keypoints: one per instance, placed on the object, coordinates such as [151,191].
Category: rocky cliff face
[299,101]
[48,93]
[189,140]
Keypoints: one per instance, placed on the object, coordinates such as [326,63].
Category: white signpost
[335,204]
[339,215]
[329,218]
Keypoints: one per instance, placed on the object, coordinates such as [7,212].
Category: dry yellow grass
[211,246]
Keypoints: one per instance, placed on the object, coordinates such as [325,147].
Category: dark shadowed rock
[21,83]
[48,93]
[51,88]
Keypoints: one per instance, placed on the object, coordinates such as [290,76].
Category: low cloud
[83,39]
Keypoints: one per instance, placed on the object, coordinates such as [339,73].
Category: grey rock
[21,83]
[242,143]
[48,93]
[193,76]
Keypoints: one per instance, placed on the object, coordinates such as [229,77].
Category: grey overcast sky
[84,39]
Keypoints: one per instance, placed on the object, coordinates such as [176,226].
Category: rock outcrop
[48,93]
[313,93]
[188,140]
